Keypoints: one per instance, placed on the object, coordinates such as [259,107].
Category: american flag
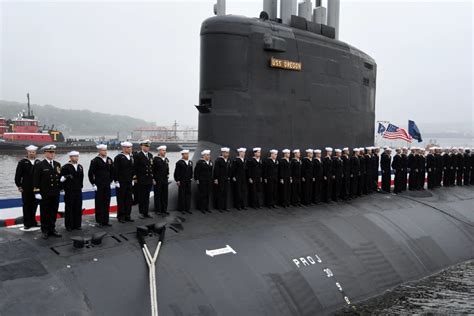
[395,132]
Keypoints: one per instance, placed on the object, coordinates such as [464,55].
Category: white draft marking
[220,251]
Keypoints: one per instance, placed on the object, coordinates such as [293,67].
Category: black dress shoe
[68,229]
[148,216]
[129,220]
[107,225]
[55,234]
[244,208]
[78,228]
[45,236]
[121,221]
[26,227]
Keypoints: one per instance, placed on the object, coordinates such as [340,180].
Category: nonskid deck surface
[305,260]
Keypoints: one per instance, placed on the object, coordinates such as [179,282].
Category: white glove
[133,183]
[197,181]
[117,185]
[94,187]
[282,181]
[62,179]
[234,179]
[112,185]
[38,196]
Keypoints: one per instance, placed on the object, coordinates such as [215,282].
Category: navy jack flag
[414,131]
[381,129]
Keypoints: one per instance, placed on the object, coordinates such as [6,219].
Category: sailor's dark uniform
[74,179]
[375,171]
[446,170]
[459,168]
[472,168]
[284,179]
[270,179]
[183,173]
[346,177]
[306,180]
[369,175]
[404,180]
[432,170]
[337,173]
[203,177]
[221,173]
[385,161]
[362,173]
[24,181]
[413,171]
[318,179]
[421,161]
[101,174]
[46,175]
[327,179]
[161,172]
[439,169]
[254,176]
[143,164]
[354,175]
[467,167]
[237,175]
[397,166]
[296,182]
[124,175]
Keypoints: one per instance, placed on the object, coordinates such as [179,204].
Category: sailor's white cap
[328,149]
[309,150]
[361,148]
[73,153]
[345,148]
[206,152]
[49,148]
[286,151]
[317,151]
[296,151]
[126,144]
[145,142]
[387,148]
[31,148]
[355,149]
[162,147]
[184,151]
[225,149]
[273,151]
[256,149]
[368,148]
[405,148]
[101,147]
[338,150]
[454,148]
[241,149]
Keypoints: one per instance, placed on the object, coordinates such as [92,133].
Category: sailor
[183,174]
[346,173]
[361,186]
[385,161]
[404,180]
[439,166]
[355,173]
[24,183]
[124,176]
[413,169]
[327,176]
[270,179]
[337,173]
[72,178]
[254,176]
[446,167]
[467,166]
[161,173]
[421,169]
[307,178]
[296,178]
[397,166]
[317,176]
[284,178]
[143,164]
[375,168]
[203,178]
[101,176]
[46,187]
[471,165]
[431,168]
[369,170]
[237,172]
[221,176]
[459,166]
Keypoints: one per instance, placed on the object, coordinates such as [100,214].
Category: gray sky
[142,58]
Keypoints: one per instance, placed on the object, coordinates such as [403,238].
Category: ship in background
[173,137]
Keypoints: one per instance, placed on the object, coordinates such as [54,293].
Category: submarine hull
[294,261]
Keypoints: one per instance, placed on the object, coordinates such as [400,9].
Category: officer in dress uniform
[439,167]
[24,183]
[459,166]
[221,177]
[161,173]
[72,178]
[355,172]
[254,178]
[203,178]
[307,177]
[296,178]
[143,164]
[318,176]
[346,173]
[467,166]
[124,176]
[431,168]
[361,187]
[284,178]
[404,169]
[183,174]
[375,166]
[385,161]
[337,173]
[237,173]
[101,176]
[270,179]
[413,169]
[369,176]
[327,176]
[47,187]
[397,170]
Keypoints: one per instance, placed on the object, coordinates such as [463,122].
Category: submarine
[269,82]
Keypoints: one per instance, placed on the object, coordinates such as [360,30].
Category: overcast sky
[142,58]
